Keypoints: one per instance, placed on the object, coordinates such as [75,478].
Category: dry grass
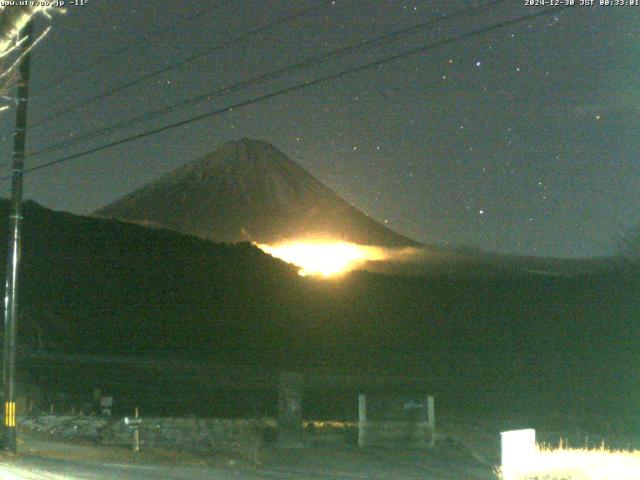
[577,464]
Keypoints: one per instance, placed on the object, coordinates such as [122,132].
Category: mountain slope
[248,190]
[98,286]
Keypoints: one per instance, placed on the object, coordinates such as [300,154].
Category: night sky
[523,140]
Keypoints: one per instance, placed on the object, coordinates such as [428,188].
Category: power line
[192,58]
[266,77]
[300,86]
[303,85]
[130,46]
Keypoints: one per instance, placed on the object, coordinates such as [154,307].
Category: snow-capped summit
[248,190]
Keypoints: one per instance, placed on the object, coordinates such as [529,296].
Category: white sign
[518,448]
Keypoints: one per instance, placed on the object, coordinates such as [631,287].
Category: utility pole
[13,262]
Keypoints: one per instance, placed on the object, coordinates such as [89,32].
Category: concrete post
[431,420]
[290,433]
[362,420]
[136,433]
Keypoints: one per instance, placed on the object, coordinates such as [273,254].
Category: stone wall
[200,435]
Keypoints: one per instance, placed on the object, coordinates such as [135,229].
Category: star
[519,132]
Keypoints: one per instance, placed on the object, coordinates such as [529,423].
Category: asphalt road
[304,464]
[51,469]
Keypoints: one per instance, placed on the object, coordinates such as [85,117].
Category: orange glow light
[326,259]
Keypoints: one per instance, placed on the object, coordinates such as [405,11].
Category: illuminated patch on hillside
[326,259]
